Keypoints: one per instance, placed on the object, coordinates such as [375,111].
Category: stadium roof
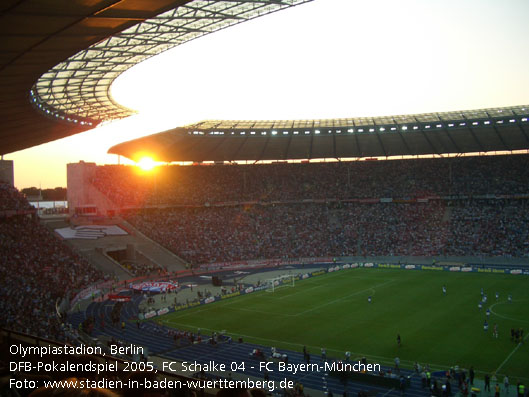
[37,35]
[58,59]
[485,130]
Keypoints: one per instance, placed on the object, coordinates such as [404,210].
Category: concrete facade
[83,198]
[7,172]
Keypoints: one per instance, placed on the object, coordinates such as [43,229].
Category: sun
[146,163]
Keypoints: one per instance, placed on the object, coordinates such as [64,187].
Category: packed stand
[36,270]
[122,185]
[143,269]
[494,228]
[457,228]
[295,227]
[199,185]
[12,199]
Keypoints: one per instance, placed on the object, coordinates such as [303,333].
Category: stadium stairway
[157,253]
[447,215]
[103,262]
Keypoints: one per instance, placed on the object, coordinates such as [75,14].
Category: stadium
[383,255]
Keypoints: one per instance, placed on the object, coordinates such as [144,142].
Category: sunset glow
[146,163]
[323,59]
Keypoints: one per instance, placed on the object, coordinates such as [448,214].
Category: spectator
[36,270]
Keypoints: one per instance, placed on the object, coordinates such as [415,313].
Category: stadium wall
[7,172]
[83,198]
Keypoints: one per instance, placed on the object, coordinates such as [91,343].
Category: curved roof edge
[483,130]
[35,36]
[78,89]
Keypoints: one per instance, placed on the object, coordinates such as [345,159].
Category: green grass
[332,311]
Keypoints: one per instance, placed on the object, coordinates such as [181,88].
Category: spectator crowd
[213,213]
[12,199]
[209,184]
[36,270]
[456,228]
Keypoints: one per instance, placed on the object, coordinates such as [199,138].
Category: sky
[323,59]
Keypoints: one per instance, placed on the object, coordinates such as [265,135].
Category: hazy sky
[324,59]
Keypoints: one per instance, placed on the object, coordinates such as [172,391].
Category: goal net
[279,282]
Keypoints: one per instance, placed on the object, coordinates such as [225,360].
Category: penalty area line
[342,298]
[511,354]
[380,359]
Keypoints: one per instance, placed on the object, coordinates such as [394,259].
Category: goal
[286,280]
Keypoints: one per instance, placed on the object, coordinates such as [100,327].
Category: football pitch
[332,311]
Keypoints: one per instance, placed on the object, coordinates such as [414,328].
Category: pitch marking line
[260,311]
[506,317]
[274,341]
[380,359]
[307,281]
[302,291]
[226,304]
[343,298]
[511,354]
[184,314]
[316,280]
[233,301]
[300,313]
[389,391]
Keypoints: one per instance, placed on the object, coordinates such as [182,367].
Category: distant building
[83,198]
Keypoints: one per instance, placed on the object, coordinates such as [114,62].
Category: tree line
[56,194]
